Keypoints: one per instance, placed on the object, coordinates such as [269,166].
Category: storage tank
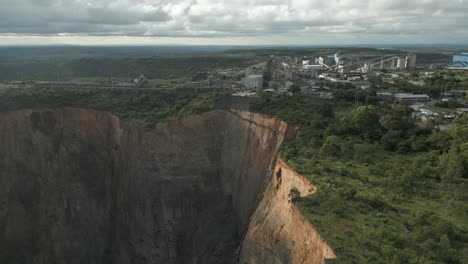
[411,61]
[401,62]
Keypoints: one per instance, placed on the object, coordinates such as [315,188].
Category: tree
[440,141]
[335,146]
[366,116]
[366,122]
[294,195]
[452,103]
[375,80]
[391,139]
[294,89]
[454,164]
[391,122]
[346,95]
[325,109]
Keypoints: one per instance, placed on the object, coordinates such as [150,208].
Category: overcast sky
[233,22]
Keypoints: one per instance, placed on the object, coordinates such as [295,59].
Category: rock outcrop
[278,232]
[79,186]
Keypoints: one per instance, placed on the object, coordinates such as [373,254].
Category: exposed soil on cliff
[79,186]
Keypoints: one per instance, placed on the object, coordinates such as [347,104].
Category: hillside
[389,189]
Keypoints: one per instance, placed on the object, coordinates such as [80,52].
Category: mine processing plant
[390,62]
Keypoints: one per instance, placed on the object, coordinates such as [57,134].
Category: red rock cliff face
[278,232]
[79,186]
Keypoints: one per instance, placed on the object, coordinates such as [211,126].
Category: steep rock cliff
[278,232]
[79,186]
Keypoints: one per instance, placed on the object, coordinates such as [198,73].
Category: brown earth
[79,186]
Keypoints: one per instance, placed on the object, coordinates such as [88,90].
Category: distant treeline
[107,67]
[316,51]
[139,105]
[423,57]
[158,62]
[428,58]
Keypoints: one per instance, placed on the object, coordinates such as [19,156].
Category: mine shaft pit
[80,186]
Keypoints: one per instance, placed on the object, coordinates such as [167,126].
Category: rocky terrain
[79,186]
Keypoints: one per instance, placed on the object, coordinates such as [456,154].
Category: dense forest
[119,68]
[139,105]
[390,190]
[66,63]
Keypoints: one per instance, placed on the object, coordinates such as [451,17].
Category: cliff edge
[79,186]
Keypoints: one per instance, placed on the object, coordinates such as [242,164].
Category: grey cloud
[215,18]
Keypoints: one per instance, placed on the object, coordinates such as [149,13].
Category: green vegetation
[146,106]
[433,86]
[294,195]
[120,68]
[119,63]
[390,191]
[294,89]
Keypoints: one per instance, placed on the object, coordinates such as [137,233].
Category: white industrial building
[253,82]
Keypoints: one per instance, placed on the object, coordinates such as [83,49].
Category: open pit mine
[80,186]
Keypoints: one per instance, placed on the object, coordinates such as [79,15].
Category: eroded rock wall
[249,152]
[79,186]
[278,232]
[57,172]
[174,210]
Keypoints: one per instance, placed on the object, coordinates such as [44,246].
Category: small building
[417,83]
[424,115]
[253,82]
[428,112]
[461,58]
[460,62]
[141,81]
[407,98]
[354,76]
[416,107]
[462,111]
[385,96]
[269,91]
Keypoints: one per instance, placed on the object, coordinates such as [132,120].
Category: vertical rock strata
[79,186]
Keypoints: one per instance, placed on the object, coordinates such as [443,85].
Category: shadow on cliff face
[78,186]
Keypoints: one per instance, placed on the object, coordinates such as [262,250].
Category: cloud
[235,18]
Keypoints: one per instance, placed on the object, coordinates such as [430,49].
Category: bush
[334,146]
[294,195]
